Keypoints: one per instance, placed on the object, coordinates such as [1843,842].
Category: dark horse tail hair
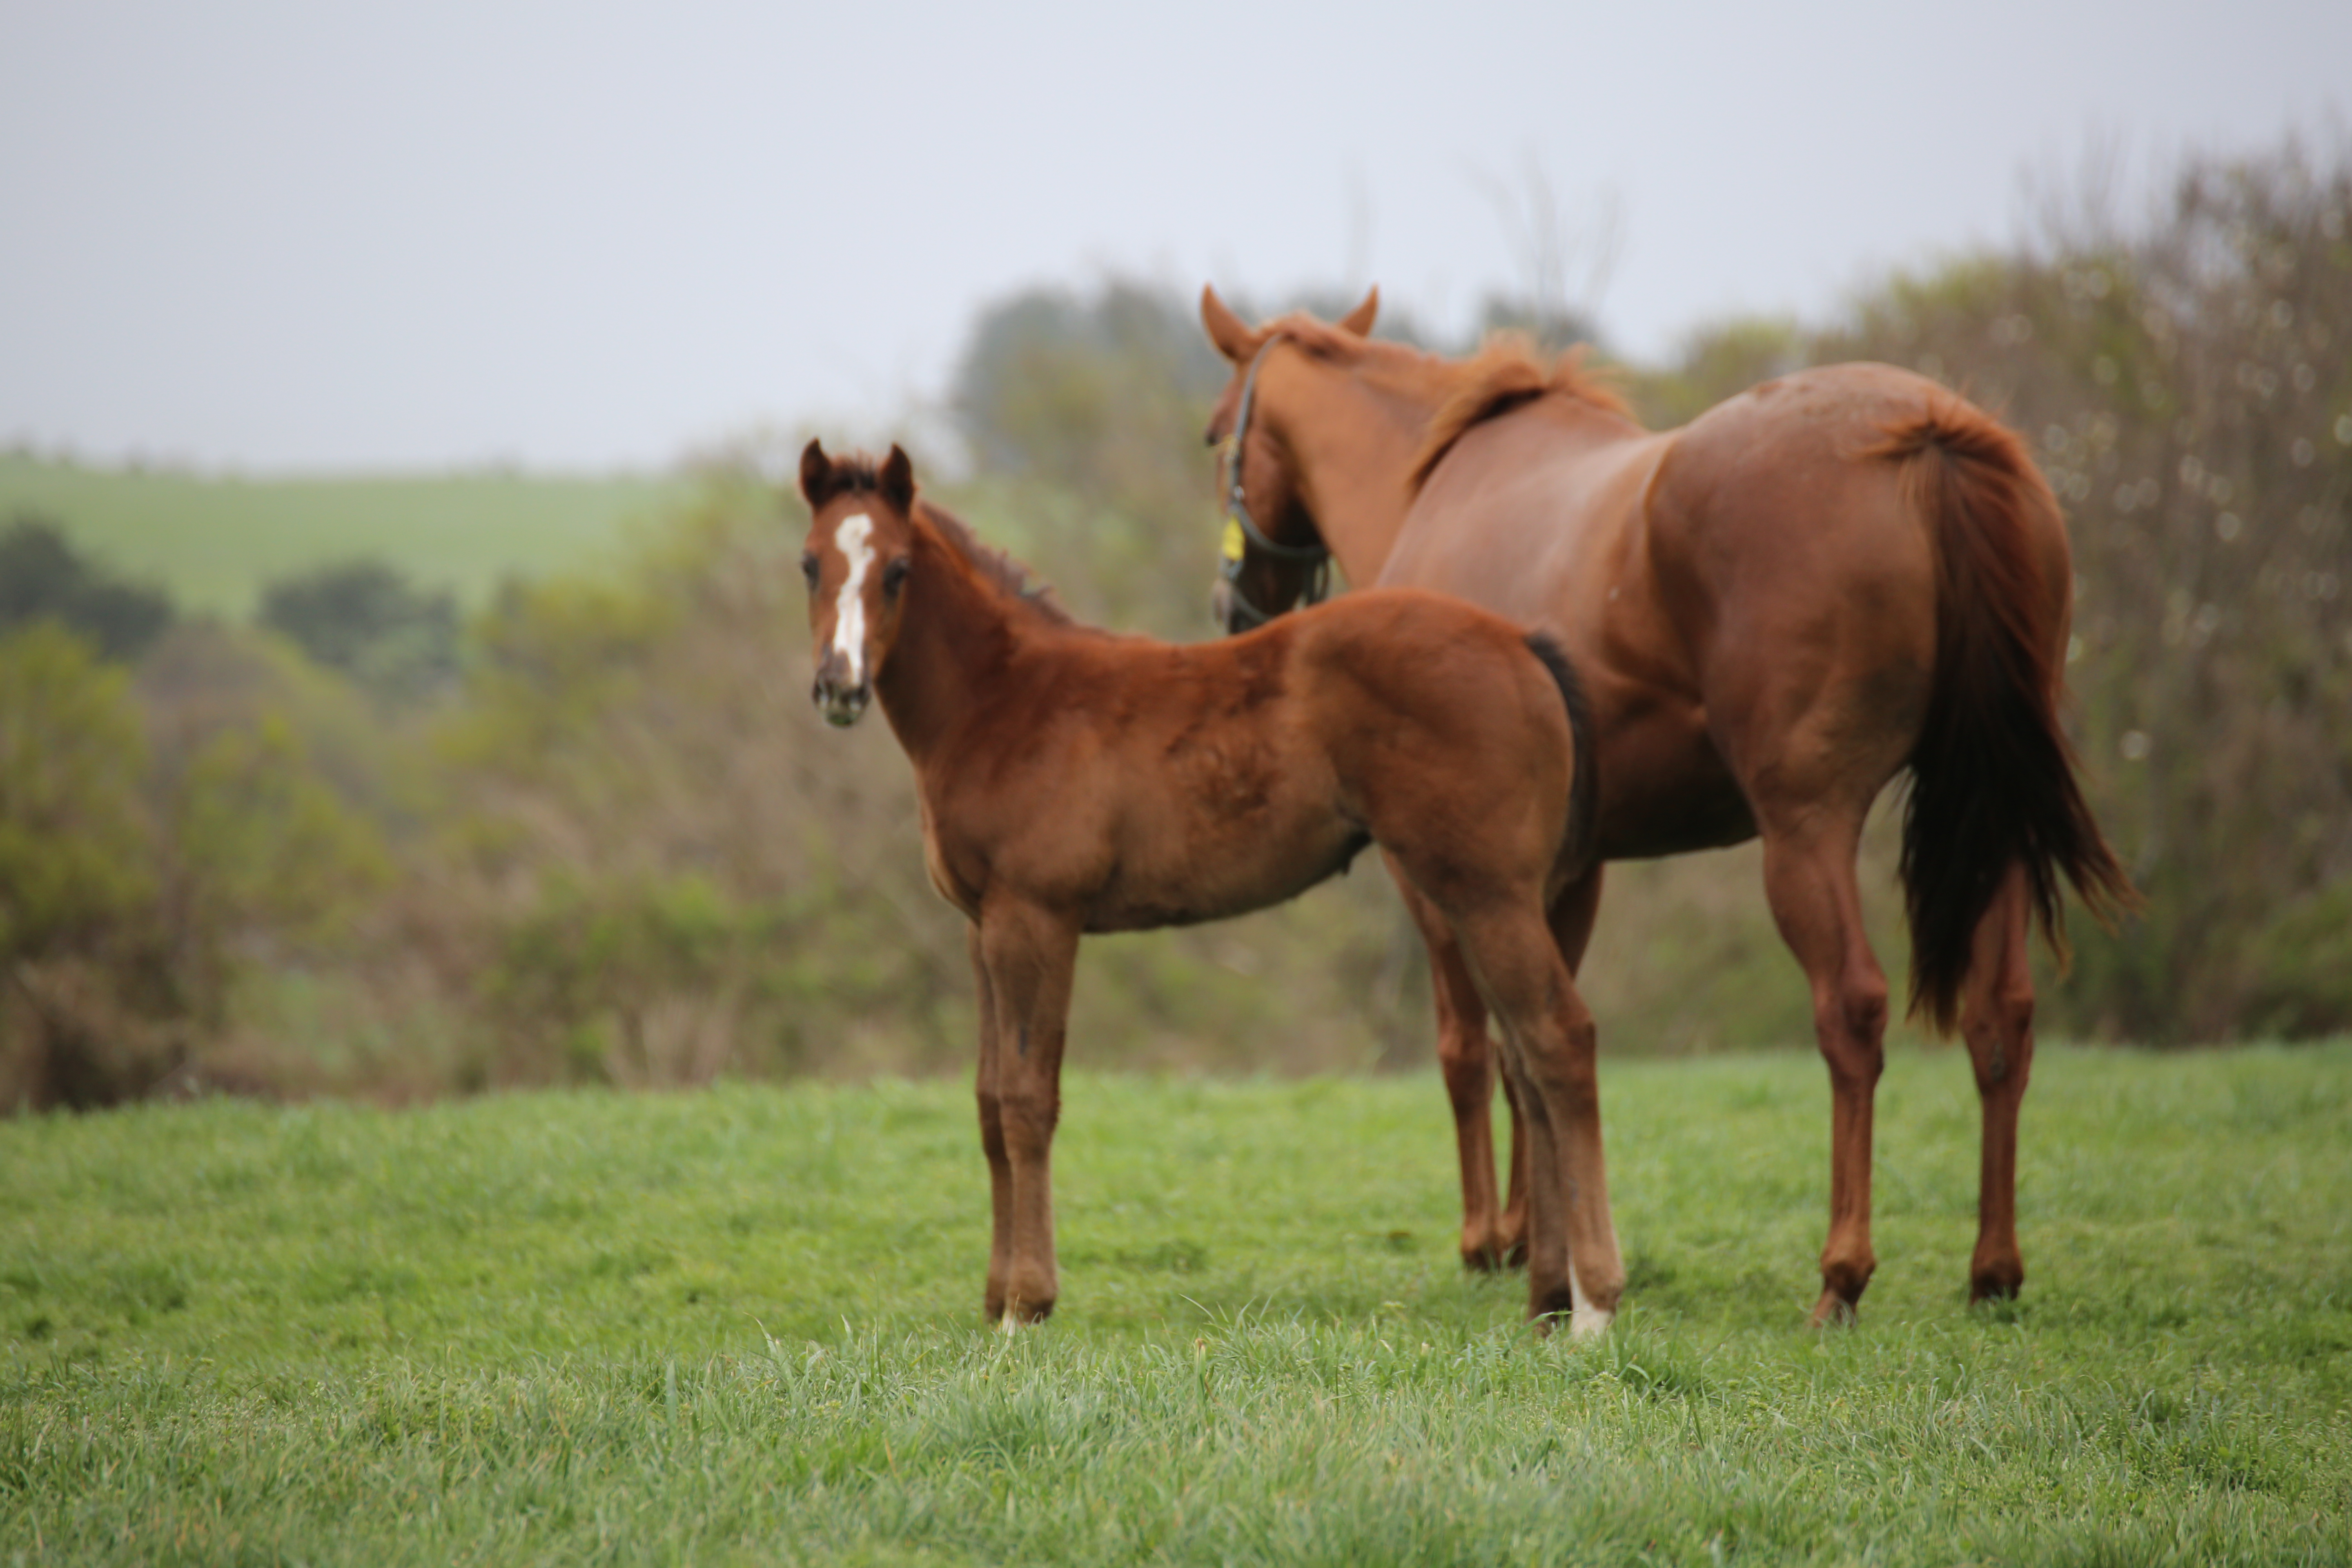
[1583,791]
[1992,776]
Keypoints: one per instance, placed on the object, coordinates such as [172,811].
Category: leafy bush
[137,890]
[74,851]
[371,622]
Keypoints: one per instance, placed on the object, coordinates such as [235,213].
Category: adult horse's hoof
[1494,1256]
[1511,1236]
[1497,1250]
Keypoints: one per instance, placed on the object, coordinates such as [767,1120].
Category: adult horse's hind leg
[1511,1233]
[1809,879]
[1030,956]
[1465,1055]
[1997,1021]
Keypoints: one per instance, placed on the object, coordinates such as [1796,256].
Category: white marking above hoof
[1585,1320]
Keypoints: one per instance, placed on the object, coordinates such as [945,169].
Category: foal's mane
[1504,372]
[994,568]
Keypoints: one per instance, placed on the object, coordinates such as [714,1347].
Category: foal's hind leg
[1467,1058]
[1574,1265]
[1465,1054]
[1808,877]
[1570,919]
[1996,1020]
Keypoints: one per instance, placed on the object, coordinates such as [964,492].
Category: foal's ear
[1231,335]
[899,478]
[816,475]
[1360,320]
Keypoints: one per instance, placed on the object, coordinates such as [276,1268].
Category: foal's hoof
[1589,1323]
[1582,1323]
[1995,1282]
[1565,1307]
[1013,1318]
[1836,1311]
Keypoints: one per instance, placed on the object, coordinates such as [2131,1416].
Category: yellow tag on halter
[1232,548]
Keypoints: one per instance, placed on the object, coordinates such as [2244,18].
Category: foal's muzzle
[839,697]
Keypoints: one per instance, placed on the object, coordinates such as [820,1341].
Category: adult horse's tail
[1993,781]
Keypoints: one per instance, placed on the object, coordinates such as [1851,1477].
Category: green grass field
[743,1326]
[213,541]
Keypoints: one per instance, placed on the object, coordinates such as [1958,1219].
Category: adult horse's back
[1833,577]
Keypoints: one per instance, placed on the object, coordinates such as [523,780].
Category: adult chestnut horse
[1072,782]
[1833,577]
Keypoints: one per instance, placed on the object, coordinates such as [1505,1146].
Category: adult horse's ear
[1360,320]
[816,475]
[1231,335]
[899,478]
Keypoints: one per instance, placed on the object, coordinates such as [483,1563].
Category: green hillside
[213,540]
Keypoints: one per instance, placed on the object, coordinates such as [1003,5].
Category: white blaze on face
[849,614]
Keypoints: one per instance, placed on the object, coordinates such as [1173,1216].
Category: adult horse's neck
[1350,428]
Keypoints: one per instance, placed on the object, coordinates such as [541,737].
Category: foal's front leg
[1490,1235]
[1028,955]
[992,1134]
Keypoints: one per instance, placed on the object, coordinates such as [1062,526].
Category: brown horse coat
[1831,578]
[1075,781]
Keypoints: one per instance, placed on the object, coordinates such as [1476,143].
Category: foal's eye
[808,569]
[894,576]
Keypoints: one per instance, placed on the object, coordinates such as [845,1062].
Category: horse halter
[1242,529]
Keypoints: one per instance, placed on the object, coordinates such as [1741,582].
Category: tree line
[595,833]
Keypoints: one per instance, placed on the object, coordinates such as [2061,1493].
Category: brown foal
[1073,781]
[1837,576]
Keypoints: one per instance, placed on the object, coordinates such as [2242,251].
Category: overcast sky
[332,235]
